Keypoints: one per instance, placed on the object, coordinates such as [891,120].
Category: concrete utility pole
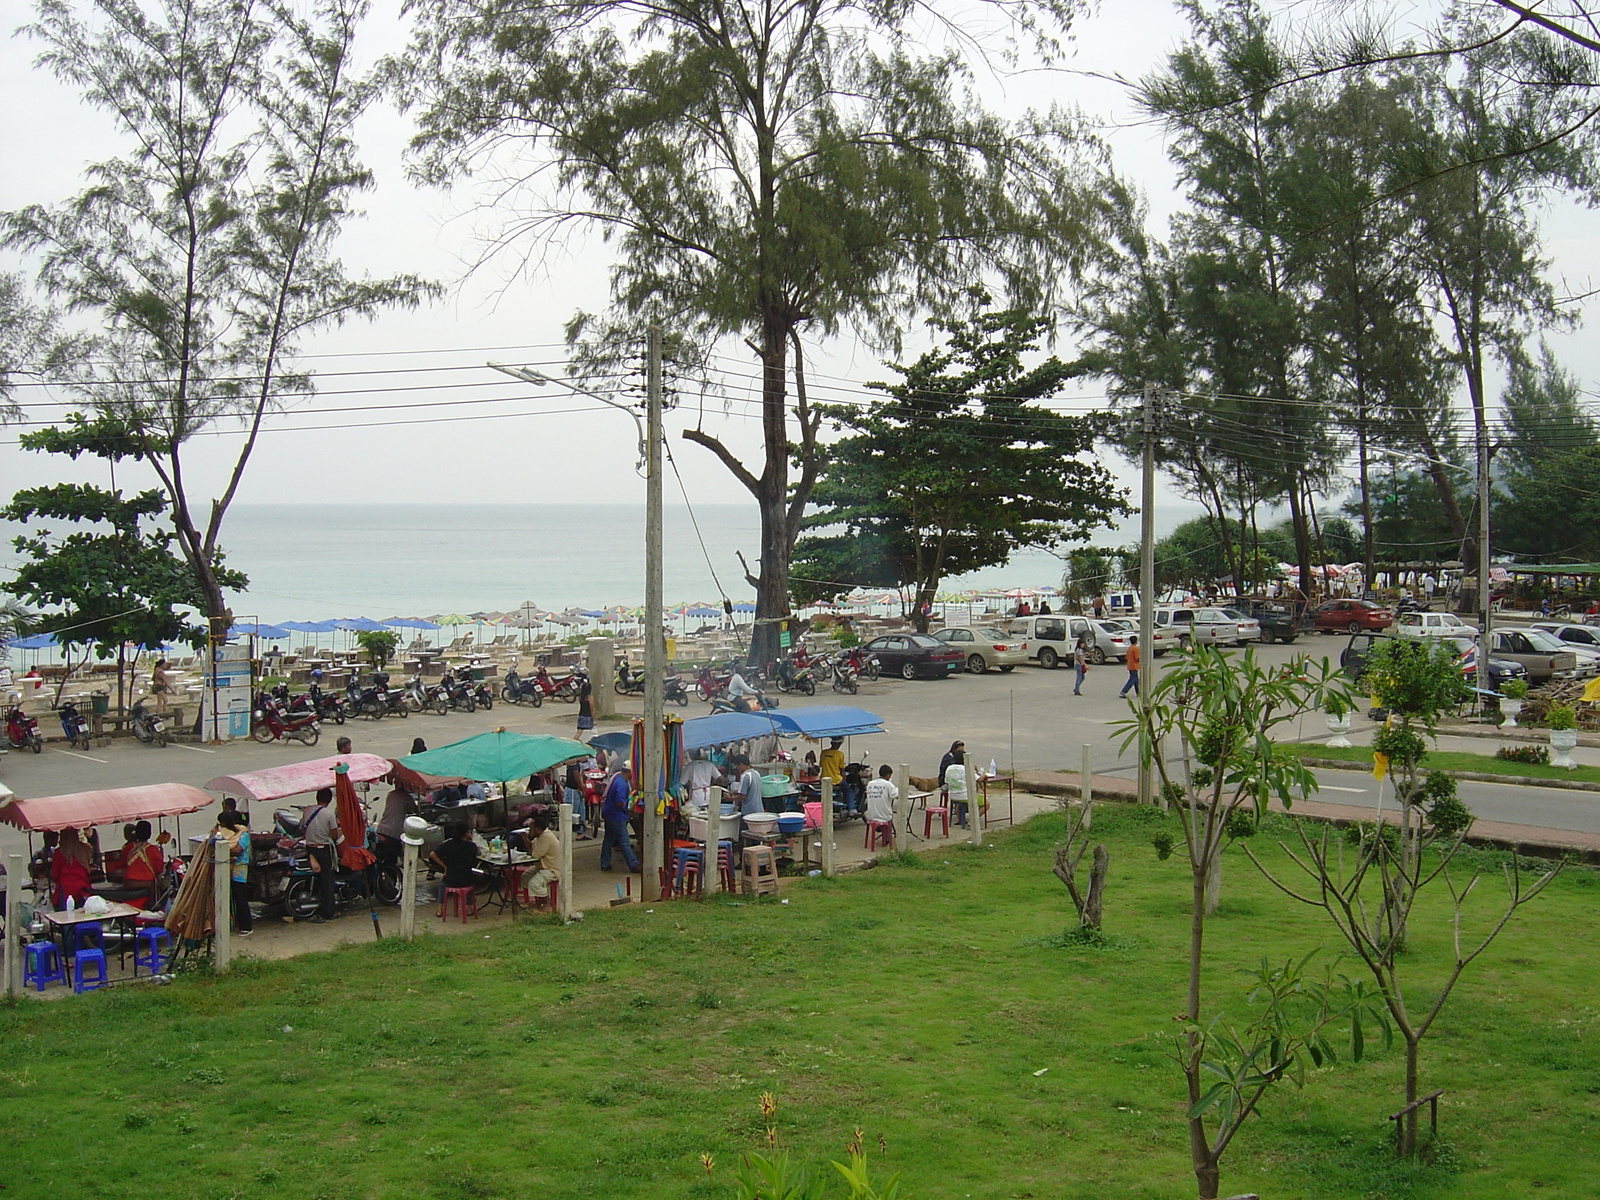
[1147,575]
[1485,637]
[655,646]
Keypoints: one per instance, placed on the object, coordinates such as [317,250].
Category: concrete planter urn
[1562,742]
[1509,709]
[1338,725]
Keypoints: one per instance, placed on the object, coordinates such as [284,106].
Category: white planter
[1561,743]
[1338,726]
[1509,710]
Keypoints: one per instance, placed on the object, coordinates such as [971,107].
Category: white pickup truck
[1432,624]
[1207,626]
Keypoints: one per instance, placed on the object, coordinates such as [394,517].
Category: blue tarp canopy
[718,728]
[309,626]
[817,721]
[37,641]
[827,720]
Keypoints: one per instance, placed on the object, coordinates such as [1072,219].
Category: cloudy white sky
[519,446]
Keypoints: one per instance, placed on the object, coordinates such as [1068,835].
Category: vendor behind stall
[746,793]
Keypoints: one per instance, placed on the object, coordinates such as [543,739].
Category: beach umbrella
[594,614]
[453,619]
[352,822]
[267,633]
[703,610]
[744,608]
[309,626]
[357,624]
[409,623]
[499,756]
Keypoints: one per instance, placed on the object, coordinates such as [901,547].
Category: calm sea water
[314,562]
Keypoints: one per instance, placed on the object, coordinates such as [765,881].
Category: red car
[1349,616]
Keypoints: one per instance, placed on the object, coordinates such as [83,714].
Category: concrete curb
[1570,785]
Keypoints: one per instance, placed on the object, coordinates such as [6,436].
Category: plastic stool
[42,965]
[88,958]
[78,936]
[726,876]
[759,871]
[879,831]
[147,946]
[548,900]
[466,900]
[687,867]
[940,811]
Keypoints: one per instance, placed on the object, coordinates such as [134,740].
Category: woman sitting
[69,870]
[142,864]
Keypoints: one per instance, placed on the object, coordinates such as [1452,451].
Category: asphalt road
[1026,720]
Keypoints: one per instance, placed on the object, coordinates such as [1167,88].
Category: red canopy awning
[277,782]
[113,806]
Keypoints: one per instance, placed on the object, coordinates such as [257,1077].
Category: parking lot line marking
[75,754]
[1328,787]
[195,749]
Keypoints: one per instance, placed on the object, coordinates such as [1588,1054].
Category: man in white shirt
[882,796]
[747,792]
[741,693]
[698,777]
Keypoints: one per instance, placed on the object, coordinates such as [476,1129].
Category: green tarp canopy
[1554,569]
[497,756]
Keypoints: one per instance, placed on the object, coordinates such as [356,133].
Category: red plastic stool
[940,811]
[727,878]
[548,900]
[466,900]
[879,831]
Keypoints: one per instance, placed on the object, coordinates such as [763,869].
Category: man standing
[1133,667]
[322,836]
[615,810]
[747,792]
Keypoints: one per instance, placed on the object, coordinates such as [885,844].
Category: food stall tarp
[719,728]
[827,720]
[498,756]
[274,783]
[112,806]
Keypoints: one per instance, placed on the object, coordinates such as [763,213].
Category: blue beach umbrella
[267,633]
[357,624]
[701,610]
[744,608]
[309,626]
[409,623]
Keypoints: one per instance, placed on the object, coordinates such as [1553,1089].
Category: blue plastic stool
[687,866]
[147,948]
[42,965]
[78,936]
[88,958]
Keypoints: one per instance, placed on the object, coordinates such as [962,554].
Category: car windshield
[1545,641]
[1234,614]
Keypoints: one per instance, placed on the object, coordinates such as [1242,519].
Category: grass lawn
[919,1002]
[1451,760]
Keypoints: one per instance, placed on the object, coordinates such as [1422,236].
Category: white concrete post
[221,895]
[827,828]
[974,809]
[1086,789]
[902,805]
[13,913]
[564,892]
[599,659]
[408,890]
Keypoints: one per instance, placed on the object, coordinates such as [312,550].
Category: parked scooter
[75,725]
[566,688]
[272,724]
[844,675]
[864,665]
[792,678]
[458,693]
[483,694]
[22,731]
[418,695]
[325,706]
[673,691]
[629,682]
[146,726]
[518,690]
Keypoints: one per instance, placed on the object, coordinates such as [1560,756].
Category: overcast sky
[518,445]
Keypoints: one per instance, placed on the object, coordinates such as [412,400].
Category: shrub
[1561,716]
[1537,755]
[1514,689]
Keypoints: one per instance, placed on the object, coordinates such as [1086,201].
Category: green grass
[917,1001]
[1452,760]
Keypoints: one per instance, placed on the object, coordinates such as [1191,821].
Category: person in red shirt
[69,870]
[1133,668]
[142,864]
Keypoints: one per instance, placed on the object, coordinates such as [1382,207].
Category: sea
[311,562]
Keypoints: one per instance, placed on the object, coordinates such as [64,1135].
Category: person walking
[585,708]
[322,836]
[1080,663]
[1099,607]
[615,810]
[1133,667]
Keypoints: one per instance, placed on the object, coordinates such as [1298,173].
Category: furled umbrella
[353,852]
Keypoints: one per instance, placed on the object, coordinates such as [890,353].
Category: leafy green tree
[1370,893]
[29,343]
[380,645]
[766,173]
[960,465]
[1089,572]
[206,251]
[1210,723]
[1543,416]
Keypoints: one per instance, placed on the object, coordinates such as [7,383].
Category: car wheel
[1047,659]
[976,665]
[1353,627]
[1264,637]
[1184,641]
[1097,656]
[909,671]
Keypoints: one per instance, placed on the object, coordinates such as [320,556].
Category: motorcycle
[74,725]
[272,724]
[301,896]
[376,700]
[794,678]
[864,665]
[148,727]
[844,675]
[674,692]
[418,696]
[566,688]
[724,703]
[22,731]
[458,693]
[629,683]
[518,690]
[483,695]
[325,706]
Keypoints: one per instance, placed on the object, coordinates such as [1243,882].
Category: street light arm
[540,380]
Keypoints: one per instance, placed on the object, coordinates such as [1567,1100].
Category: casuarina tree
[205,253]
[766,173]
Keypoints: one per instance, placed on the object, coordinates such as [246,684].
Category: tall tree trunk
[1408,1132]
[1204,1162]
[1090,917]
